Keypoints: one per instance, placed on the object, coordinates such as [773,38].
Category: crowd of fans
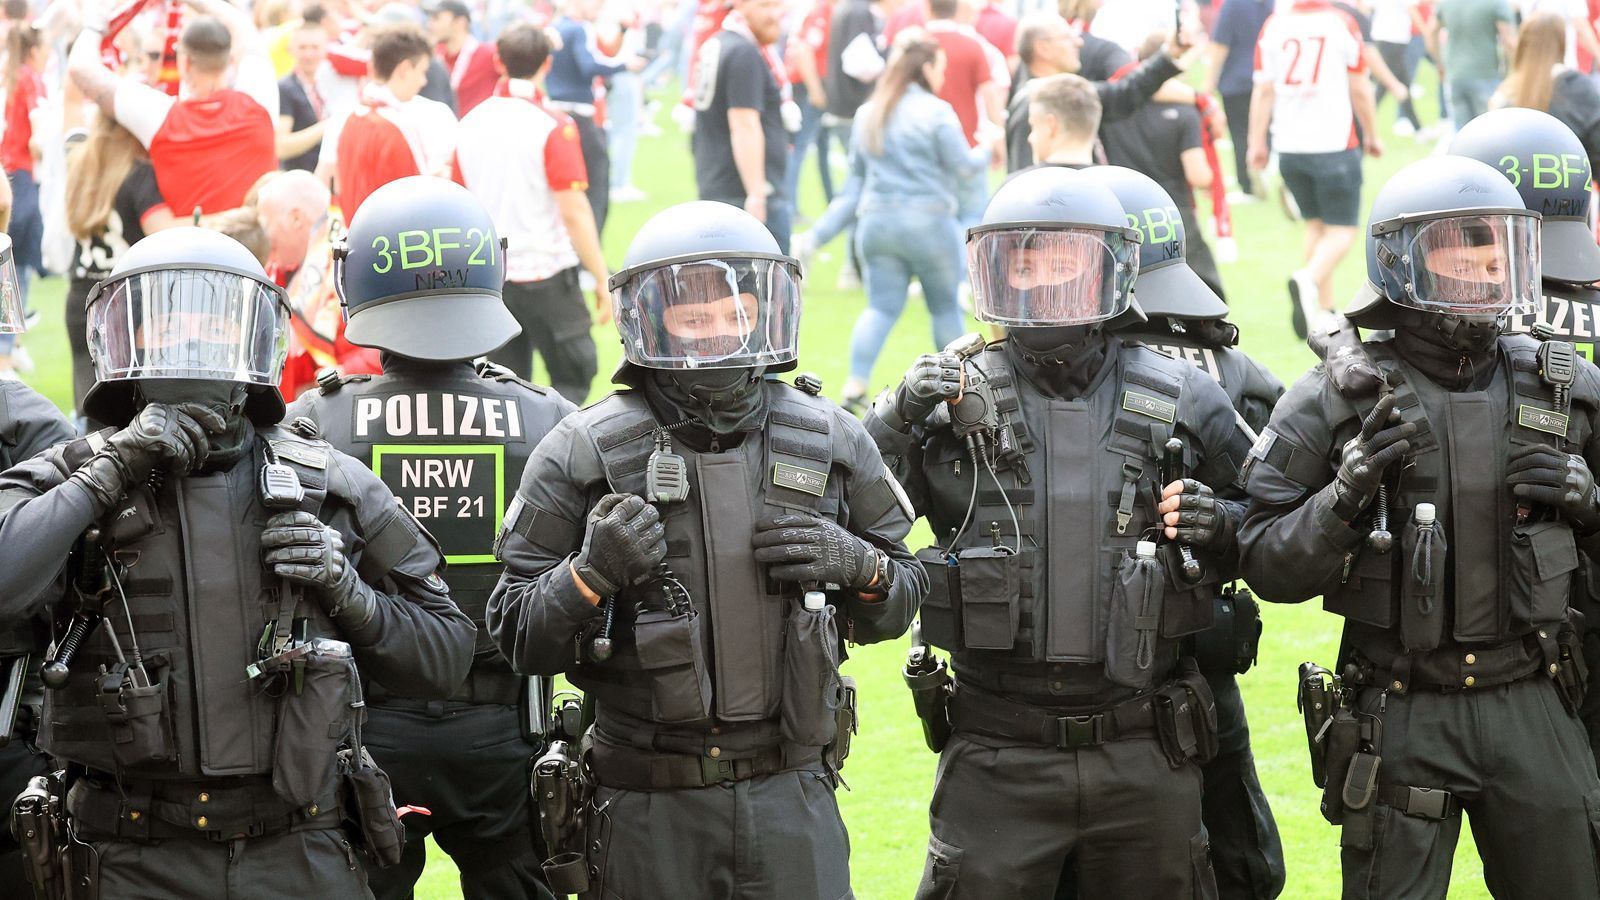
[273,122]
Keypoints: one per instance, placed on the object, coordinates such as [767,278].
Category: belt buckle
[1073,732]
[1428,803]
[716,771]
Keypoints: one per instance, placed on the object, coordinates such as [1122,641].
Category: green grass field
[890,770]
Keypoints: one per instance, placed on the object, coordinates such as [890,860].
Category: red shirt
[373,151]
[966,70]
[472,73]
[998,27]
[14,153]
[812,35]
[913,13]
[209,152]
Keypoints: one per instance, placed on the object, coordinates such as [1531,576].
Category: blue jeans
[810,133]
[1469,98]
[26,232]
[893,249]
[624,104]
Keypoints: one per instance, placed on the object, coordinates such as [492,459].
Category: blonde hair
[1541,45]
[96,169]
[913,52]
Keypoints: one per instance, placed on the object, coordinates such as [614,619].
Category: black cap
[453,7]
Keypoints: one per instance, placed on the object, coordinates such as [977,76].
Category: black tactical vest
[792,466]
[1083,478]
[1251,392]
[1509,570]
[199,597]
[450,443]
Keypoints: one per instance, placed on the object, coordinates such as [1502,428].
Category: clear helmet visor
[194,323]
[710,313]
[10,291]
[1035,276]
[1474,265]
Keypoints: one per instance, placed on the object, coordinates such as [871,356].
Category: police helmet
[11,316]
[1166,285]
[1054,248]
[1448,235]
[421,273]
[1548,166]
[705,286]
[186,303]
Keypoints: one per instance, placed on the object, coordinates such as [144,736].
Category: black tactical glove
[1199,520]
[1541,474]
[933,378]
[1367,456]
[624,541]
[303,550]
[173,436]
[804,548]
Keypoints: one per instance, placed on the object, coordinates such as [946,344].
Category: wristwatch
[880,583]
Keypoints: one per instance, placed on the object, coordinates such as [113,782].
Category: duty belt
[631,769]
[483,687]
[1433,804]
[1456,668]
[998,717]
[152,811]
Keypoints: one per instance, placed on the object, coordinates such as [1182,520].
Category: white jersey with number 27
[1307,52]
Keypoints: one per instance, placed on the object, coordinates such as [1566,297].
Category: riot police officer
[448,440]
[690,551]
[29,424]
[1079,540]
[1548,166]
[1443,518]
[1187,321]
[226,578]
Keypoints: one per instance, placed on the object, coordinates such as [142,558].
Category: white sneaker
[21,360]
[628,194]
[1404,128]
[1240,198]
[1304,308]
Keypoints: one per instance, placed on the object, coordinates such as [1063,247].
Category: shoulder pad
[809,382]
[496,372]
[295,447]
[305,427]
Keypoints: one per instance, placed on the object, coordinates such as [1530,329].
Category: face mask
[725,400]
[226,398]
[1454,351]
[1469,334]
[1051,344]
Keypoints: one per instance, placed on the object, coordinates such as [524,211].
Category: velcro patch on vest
[807,481]
[310,457]
[1546,420]
[1146,405]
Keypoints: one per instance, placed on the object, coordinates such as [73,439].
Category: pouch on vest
[1572,670]
[1359,788]
[989,603]
[1131,633]
[370,799]
[1230,645]
[938,610]
[812,688]
[846,720]
[669,651]
[316,716]
[1424,562]
[1543,559]
[1366,593]
[140,717]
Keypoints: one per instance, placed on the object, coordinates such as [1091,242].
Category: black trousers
[299,864]
[469,767]
[1400,61]
[1237,108]
[597,161]
[555,322]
